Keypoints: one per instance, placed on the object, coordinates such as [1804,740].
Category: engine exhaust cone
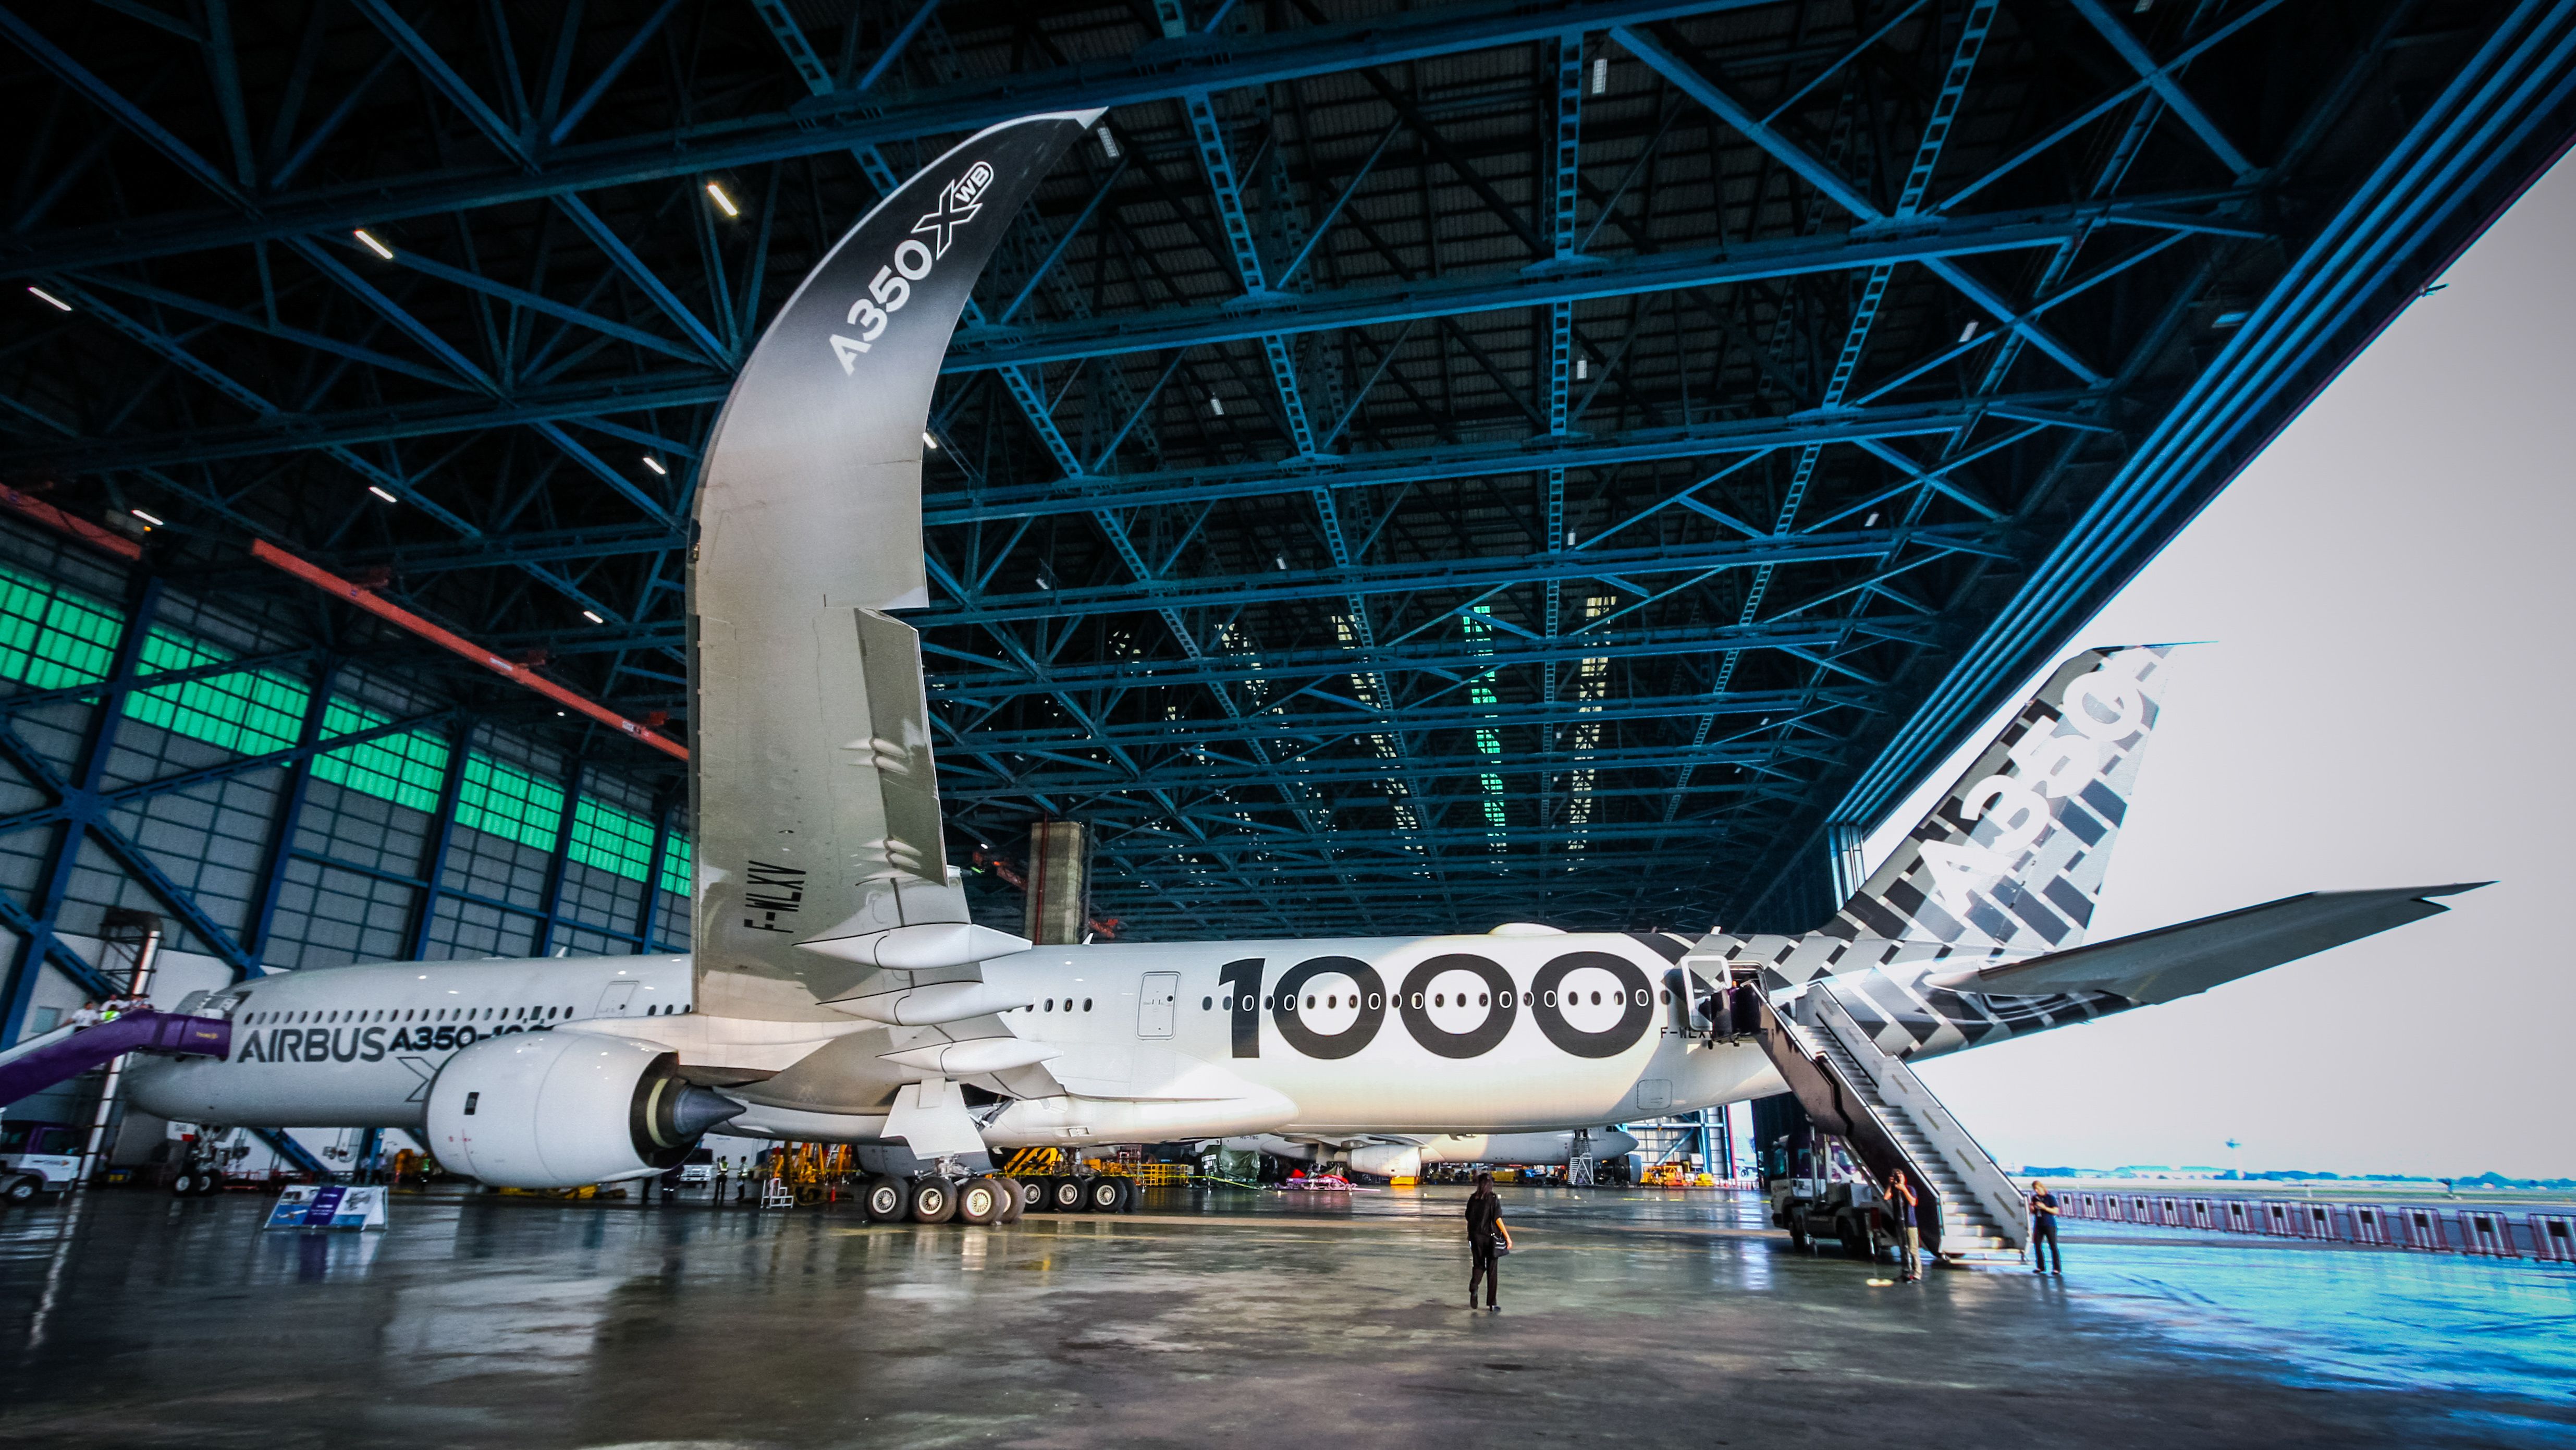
[696,1110]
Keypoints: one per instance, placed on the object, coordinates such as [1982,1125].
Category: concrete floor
[1633,1318]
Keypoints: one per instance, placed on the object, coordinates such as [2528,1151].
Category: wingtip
[2429,892]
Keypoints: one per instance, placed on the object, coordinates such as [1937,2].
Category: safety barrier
[2553,1236]
[2478,1232]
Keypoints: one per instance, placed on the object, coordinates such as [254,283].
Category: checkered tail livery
[2013,857]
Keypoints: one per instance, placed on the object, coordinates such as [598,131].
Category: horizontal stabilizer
[2194,956]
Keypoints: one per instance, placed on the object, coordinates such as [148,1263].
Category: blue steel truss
[1416,467]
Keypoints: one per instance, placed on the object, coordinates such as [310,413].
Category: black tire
[1856,1243]
[1131,1194]
[210,1183]
[932,1199]
[184,1186]
[1065,1195]
[982,1200]
[21,1188]
[1038,1194]
[1105,1194]
[1797,1235]
[886,1199]
[1015,1197]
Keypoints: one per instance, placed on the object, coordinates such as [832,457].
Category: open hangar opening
[1409,470]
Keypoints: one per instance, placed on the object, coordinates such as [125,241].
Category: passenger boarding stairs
[1854,1090]
[65,1053]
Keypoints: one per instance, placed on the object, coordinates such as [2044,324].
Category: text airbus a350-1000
[840,992]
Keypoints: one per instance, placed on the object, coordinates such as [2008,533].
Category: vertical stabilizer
[2013,857]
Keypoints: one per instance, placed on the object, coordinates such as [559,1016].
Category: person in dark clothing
[1901,1202]
[1486,1241]
[1746,1004]
[2043,1231]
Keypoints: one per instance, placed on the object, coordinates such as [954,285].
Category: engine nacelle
[565,1108]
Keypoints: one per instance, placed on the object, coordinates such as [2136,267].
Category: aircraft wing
[2194,956]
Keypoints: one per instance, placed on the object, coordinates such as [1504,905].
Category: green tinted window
[407,769]
[675,865]
[507,801]
[250,712]
[51,637]
[612,840]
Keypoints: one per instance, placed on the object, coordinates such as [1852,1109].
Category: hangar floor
[1629,1318]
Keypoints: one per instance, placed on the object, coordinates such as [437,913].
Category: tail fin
[2013,858]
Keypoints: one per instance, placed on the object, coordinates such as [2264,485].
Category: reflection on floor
[1228,1318]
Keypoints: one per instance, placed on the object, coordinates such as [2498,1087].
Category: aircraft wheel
[210,1183]
[1064,1195]
[1797,1235]
[1015,1197]
[21,1188]
[933,1199]
[1037,1195]
[981,1200]
[184,1186]
[1105,1194]
[885,1198]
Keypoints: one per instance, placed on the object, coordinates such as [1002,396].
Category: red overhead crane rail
[456,644]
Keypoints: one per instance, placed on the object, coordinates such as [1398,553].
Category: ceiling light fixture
[1216,405]
[1108,143]
[50,297]
[377,247]
[380,493]
[1969,332]
[718,192]
[929,442]
[1600,74]
[655,464]
[593,616]
[147,518]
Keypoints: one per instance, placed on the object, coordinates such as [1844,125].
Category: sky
[2385,700]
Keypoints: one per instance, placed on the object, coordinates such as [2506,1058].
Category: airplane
[839,991]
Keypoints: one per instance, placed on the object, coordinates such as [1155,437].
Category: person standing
[2043,1231]
[1487,1241]
[1901,1203]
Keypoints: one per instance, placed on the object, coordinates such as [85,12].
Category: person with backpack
[1487,1242]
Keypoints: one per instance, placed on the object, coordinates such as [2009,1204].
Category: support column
[290,813]
[433,856]
[649,915]
[562,858]
[1059,897]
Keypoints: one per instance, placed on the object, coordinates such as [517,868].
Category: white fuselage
[1151,1041]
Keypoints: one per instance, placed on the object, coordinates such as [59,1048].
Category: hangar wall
[219,803]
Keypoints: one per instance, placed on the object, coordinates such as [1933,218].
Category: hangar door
[1154,1005]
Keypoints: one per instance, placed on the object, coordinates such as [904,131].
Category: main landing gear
[1106,1193]
[985,1198]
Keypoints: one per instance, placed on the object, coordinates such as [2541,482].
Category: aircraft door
[1156,1004]
[618,997]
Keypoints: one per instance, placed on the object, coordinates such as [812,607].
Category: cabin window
[1050,1004]
[1206,1002]
[1310,1004]
[1086,1004]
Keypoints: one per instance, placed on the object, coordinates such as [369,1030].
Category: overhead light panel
[50,297]
[1216,405]
[1108,143]
[929,442]
[147,518]
[372,245]
[655,464]
[380,493]
[1969,332]
[1600,74]
[1582,368]
[593,616]
[716,190]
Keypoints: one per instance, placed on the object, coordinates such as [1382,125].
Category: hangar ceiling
[1418,467]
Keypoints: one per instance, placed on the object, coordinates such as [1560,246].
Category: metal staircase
[1981,1212]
